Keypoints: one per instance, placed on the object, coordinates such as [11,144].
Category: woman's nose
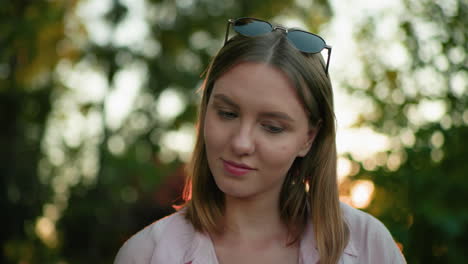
[243,142]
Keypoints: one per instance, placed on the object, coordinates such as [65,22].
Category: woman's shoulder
[370,240]
[141,247]
[359,221]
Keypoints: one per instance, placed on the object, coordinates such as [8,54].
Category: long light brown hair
[309,192]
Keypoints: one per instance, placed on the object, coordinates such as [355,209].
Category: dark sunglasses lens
[251,27]
[306,42]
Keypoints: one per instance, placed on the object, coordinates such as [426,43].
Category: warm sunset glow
[45,230]
[361,193]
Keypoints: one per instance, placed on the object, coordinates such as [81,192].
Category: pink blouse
[172,240]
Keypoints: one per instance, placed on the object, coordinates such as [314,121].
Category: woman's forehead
[258,84]
[256,78]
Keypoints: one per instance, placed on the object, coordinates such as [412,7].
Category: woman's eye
[227,114]
[273,129]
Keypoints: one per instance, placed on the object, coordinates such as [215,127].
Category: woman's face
[255,126]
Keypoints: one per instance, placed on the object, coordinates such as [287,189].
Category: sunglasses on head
[302,40]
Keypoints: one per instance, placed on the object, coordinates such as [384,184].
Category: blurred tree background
[98,99]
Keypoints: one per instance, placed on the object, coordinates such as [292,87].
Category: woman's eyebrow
[273,114]
[225,100]
[279,115]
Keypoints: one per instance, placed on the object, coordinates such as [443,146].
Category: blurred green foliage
[75,198]
[423,198]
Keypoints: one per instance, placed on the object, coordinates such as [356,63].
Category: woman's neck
[253,220]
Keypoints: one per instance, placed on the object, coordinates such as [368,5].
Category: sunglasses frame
[286,30]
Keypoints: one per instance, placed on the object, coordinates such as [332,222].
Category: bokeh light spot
[170,104]
[361,193]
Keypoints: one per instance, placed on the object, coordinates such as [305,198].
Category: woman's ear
[311,134]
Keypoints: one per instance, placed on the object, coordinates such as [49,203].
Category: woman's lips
[236,168]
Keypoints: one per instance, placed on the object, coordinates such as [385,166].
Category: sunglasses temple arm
[329,49]
[227,32]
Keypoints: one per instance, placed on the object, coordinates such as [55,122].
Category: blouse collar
[202,251]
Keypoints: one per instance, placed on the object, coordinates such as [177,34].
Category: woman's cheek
[215,131]
[280,153]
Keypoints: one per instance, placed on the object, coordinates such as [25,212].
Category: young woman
[262,184]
